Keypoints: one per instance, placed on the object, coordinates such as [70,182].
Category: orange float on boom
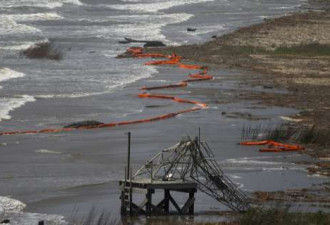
[190,67]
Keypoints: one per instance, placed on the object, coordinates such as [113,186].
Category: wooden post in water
[166,201]
[123,209]
[199,138]
[128,154]
[130,194]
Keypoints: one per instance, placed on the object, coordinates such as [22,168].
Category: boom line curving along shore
[138,52]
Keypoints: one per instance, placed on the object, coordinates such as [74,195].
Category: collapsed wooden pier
[184,168]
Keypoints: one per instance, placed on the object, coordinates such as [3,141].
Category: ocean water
[87,32]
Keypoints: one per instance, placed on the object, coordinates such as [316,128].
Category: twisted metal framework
[191,160]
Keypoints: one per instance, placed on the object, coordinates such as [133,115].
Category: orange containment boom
[181,84]
[274,146]
[164,62]
[138,52]
[190,67]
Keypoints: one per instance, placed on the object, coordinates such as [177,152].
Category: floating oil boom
[193,161]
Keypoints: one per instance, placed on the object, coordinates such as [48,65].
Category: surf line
[138,52]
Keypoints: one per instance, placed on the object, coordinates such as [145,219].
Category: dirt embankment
[290,52]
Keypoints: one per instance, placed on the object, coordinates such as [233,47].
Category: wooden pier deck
[147,187]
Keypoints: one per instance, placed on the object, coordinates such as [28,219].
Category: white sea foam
[290,119]
[154,18]
[9,26]
[160,81]
[39,3]
[235,177]
[7,74]
[139,31]
[10,23]
[8,104]
[32,17]
[13,209]
[45,151]
[140,26]
[117,81]
[154,6]
[136,26]
[286,7]
[10,205]
[17,46]
[254,162]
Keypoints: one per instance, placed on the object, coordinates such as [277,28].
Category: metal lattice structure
[191,160]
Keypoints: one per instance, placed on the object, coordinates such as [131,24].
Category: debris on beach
[147,43]
[87,123]
[320,168]
[292,195]
[189,29]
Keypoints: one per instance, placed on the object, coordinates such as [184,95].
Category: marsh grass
[307,135]
[280,133]
[43,50]
[282,216]
[242,50]
[311,49]
[94,218]
[251,132]
[315,136]
[274,215]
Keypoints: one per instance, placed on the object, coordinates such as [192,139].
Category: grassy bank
[283,133]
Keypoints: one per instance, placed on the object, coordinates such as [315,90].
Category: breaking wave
[39,3]
[32,17]
[136,26]
[7,74]
[8,104]
[9,205]
[9,26]
[115,83]
[14,210]
[153,6]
